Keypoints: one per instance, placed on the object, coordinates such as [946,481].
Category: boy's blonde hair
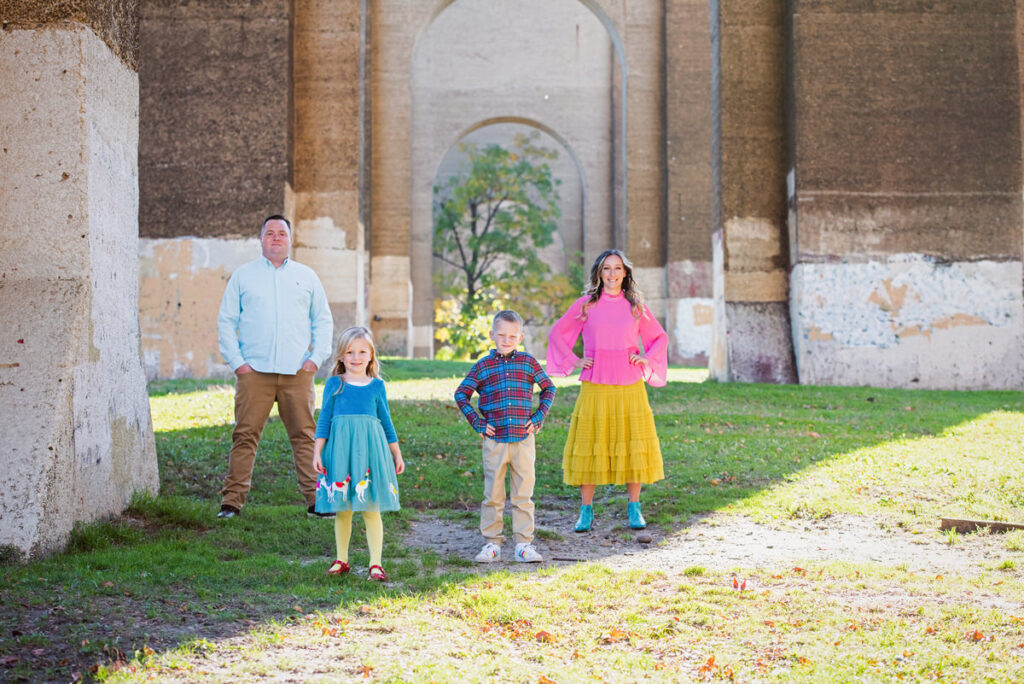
[509,316]
[347,337]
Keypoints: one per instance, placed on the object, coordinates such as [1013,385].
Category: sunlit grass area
[166,592]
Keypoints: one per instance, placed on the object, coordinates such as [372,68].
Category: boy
[504,380]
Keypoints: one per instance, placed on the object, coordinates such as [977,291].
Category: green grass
[164,587]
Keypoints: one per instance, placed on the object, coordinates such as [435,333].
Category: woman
[612,439]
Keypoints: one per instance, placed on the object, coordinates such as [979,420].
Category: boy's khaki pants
[517,457]
[255,394]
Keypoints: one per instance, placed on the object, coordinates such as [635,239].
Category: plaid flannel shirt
[505,386]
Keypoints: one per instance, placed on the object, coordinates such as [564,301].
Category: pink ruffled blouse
[610,334]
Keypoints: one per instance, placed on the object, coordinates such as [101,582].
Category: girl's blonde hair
[629,289]
[347,337]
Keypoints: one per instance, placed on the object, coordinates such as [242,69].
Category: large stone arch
[395,24]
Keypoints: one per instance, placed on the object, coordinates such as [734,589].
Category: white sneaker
[525,553]
[491,553]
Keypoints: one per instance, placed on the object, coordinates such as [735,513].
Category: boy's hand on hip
[489,430]
[530,427]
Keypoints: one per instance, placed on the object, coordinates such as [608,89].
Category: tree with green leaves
[489,223]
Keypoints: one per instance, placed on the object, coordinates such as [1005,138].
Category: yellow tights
[374,534]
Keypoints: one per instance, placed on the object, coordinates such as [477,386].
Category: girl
[612,439]
[354,434]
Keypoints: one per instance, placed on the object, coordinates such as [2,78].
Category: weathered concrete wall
[749,175]
[116,22]
[76,438]
[181,281]
[688,220]
[907,223]
[215,88]
[246,110]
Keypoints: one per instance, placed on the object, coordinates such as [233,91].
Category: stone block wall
[76,437]
[751,341]
[906,222]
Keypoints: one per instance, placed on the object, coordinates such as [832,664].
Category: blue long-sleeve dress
[356,421]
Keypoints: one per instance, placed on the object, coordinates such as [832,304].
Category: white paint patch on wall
[909,322]
[181,282]
[690,333]
[320,244]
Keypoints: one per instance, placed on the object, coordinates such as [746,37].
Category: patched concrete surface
[181,282]
[77,437]
[910,321]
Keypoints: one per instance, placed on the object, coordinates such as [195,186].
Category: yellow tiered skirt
[612,439]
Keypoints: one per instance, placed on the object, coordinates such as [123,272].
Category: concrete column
[645,148]
[393,26]
[688,163]
[906,192]
[76,437]
[326,200]
[751,336]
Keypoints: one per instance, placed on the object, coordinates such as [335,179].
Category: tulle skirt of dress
[612,439]
[360,471]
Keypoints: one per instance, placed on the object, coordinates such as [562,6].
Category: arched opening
[480,63]
[564,255]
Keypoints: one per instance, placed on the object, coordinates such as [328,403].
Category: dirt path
[723,542]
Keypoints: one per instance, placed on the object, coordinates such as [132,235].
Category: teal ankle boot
[636,518]
[586,518]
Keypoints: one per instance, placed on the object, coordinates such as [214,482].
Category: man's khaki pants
[255,394]
[517,457]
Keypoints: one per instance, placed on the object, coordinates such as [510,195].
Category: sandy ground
[721,542]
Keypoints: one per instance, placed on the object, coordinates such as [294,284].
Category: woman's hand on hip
[585,362]
[638,360]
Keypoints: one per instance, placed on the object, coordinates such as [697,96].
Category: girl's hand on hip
[638,360]
[585,362]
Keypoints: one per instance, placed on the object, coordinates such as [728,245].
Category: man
[274,330]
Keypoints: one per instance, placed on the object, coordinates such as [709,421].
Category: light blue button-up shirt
[274,318]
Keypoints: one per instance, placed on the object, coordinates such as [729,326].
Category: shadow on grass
[169,574]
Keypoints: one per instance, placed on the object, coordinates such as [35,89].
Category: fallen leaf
[735,583]
[743,585]
[545,680]
[545,637]
[366,670]
[107,584]
[9,661]
[929,630]
[707,666]
[715,482]
[975,636]
[615,636]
